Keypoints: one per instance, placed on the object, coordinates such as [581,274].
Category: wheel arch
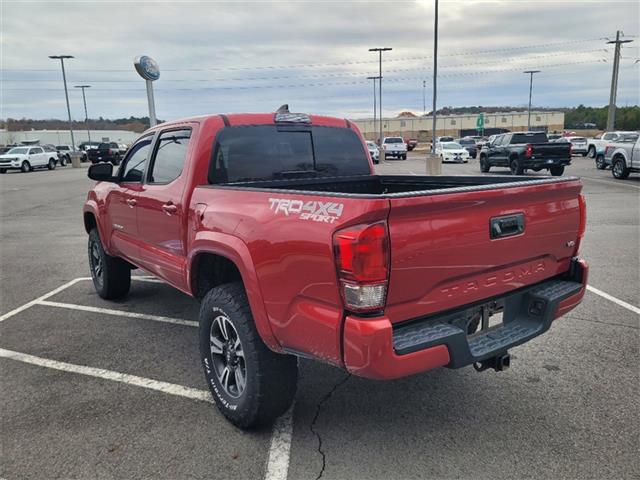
[216,259]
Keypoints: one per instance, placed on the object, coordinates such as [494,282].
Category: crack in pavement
[315,418]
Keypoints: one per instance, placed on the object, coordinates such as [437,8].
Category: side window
[498,141]
[134,166]
[608,136]
[33,151]
[170,156]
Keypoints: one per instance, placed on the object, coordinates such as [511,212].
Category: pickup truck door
[635,155]
[162,210]
[495,150]
[122,201]
[37,157]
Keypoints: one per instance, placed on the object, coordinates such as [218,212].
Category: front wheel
[557,170]
[111,275]
[250,384]
[404,157]
[619,169]
[600,163]
[25,167]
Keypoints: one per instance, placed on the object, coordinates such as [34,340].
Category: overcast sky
[245,57]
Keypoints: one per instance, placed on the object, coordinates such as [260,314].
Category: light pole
[380,50]
[66,94]
[530,72]
[611,115]
[424,98]
[86,117]
[435,78]
[374,102]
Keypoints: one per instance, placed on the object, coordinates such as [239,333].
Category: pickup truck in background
[598,143]
[105,152]
[394,147]
[520,151]
[623,155]
[279,226]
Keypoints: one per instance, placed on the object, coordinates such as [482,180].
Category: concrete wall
[420,127]
[63,137]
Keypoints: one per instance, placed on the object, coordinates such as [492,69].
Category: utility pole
[374,101]
[424,98]
[435,79]
[611,116]
[86,117]
[66,94]
[380,50]
[530,72]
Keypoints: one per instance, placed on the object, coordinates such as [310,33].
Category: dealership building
[63,137]
[457,126]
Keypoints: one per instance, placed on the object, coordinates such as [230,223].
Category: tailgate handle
[506,226]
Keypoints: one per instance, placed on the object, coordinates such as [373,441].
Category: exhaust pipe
[498,363]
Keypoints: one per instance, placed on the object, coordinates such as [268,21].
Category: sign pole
[152,104]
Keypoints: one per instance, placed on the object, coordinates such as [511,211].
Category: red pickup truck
[296,248]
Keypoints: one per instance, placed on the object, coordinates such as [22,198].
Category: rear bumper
[374,348]
[546,163]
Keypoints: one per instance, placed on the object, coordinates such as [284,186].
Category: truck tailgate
[443,255]
[551,150]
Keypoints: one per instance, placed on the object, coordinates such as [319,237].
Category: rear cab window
[533,138]
[272,152]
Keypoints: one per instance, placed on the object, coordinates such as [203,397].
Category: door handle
[132,202]
[169,208]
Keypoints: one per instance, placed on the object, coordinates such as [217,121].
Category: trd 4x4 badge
[316,211]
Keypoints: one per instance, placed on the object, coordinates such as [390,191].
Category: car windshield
[371,145]
[393,140]
[19,150]
[451,146]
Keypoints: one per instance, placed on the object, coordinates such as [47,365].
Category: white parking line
[118,313]
[281,435]
[615,300]
[164,387]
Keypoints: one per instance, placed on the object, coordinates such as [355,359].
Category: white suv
[394,147]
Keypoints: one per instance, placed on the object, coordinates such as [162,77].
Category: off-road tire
[619,170]
[271,378]
[114,279]
[557,170]
[484,165]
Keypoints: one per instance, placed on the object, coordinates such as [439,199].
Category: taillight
[109,152]
[529,151]
[582,226]
[606,148]
[362,261]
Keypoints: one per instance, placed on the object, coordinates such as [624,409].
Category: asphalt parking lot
[96,389]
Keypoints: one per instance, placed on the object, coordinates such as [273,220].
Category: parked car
[554,136]
[296,248]
[578,145]
[602,140]
[444,139]
[452,152]
[65,152]
[469,144]
[520,151]
[411,143]
[105,152]
[374,152]
[623,156]
[51,150]
[27,159]
[394,147]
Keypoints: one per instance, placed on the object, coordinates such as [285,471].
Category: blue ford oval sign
[147,67]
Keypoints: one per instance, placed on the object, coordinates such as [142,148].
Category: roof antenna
[283,109]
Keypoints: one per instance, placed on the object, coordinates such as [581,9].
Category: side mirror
[101,172]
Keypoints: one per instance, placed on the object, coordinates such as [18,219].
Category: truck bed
[392,186]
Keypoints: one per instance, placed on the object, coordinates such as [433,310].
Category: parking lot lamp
[380,50]
[374,102]
[611,115]
[530,72]
[84,101]
[435,77]
[66,94]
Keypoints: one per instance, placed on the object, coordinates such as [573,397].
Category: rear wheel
[3,170]
[557,170]
[484,165]
[25,167]
[619,169]
[515,167]
[111,275]
[63,161]
[250,384]
[52,164]
[600,164]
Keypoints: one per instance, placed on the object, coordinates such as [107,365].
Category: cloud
[231,56]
